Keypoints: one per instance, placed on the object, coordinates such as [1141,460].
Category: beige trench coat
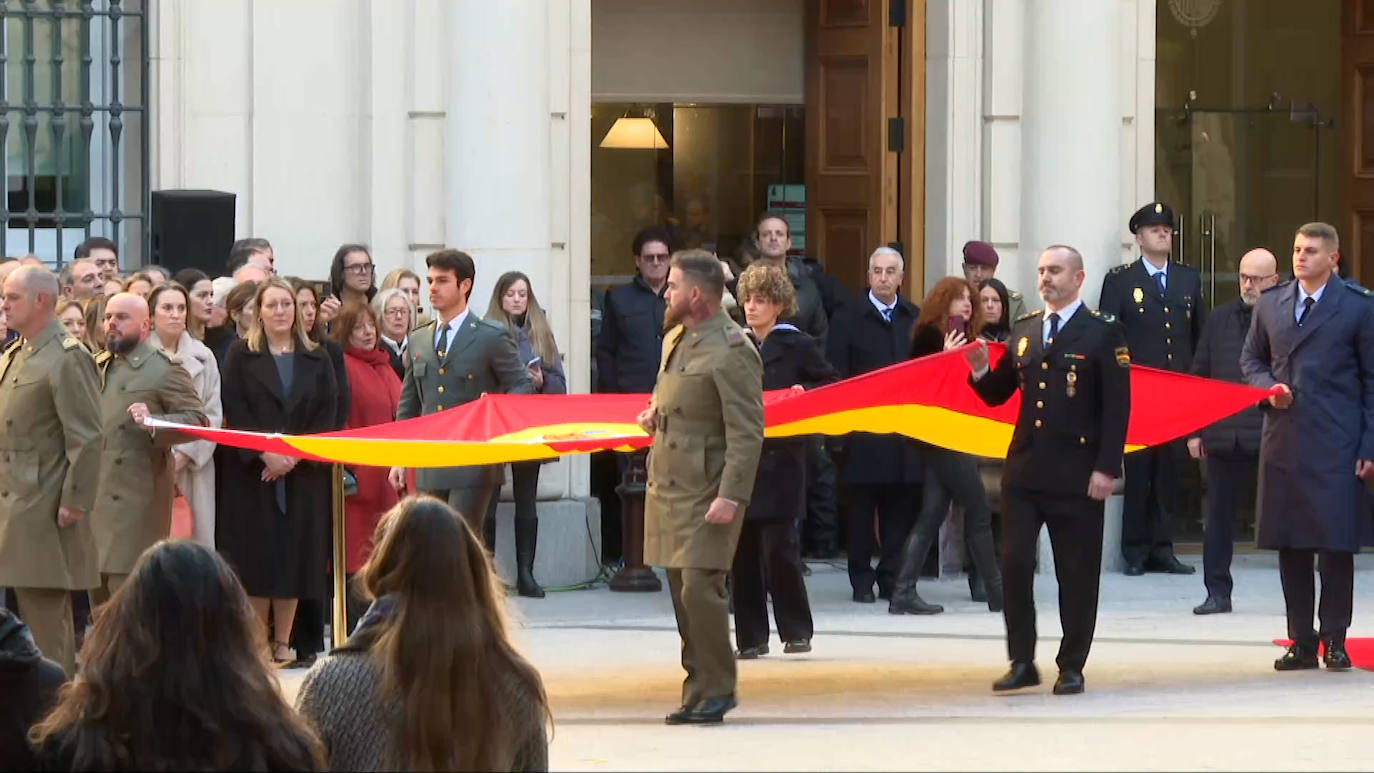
[709,406]
[49,456]
[196,481]
[133,507]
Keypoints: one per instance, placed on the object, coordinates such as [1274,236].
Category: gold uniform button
[441,390]
[1039,403]
[439,408]
[1042,385]
[1039,423]
[1166,309]
[469,377]
[442,371]
[1082,441]
[1044,366]
[1167,326]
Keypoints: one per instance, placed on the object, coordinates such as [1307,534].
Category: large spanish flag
[927,399]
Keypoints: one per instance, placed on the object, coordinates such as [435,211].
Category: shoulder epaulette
[1013,293]
[735,336]
[1276,287]
[1030,315]
[175,359]
[103,357]
[491,324]
[1356,287]
[70,343]
[1102,315]
[1122,267]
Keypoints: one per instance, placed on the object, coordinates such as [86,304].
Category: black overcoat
[1309,497]
[277,555]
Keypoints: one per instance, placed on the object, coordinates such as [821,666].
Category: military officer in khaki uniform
[133,507]
[706,416]
[49,453]
[451,361]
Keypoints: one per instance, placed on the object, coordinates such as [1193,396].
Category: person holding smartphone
[949,319]
[513,304]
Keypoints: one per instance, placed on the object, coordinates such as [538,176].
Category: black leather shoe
[1134,569]
[751,653]
[1018,676]
[796,646]
[1170,565]
[1213,606]
[911,603]
[1070,682]
[708,712]
[1297,658]
[864,597]
[1335,657]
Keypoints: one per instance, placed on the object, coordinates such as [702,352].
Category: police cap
[1154,213]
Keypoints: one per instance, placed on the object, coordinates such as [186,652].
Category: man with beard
[1065,455]
[133,506]
[49,455]
[706,418]
[1230,446]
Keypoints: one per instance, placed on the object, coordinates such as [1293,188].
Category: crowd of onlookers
[284,354]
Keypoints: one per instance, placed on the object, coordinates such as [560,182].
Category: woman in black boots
[949,318]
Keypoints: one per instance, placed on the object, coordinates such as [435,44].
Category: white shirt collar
[398,346]
[454,325]
[1065,314]
[1151,270]
[879,305]
[1316,297]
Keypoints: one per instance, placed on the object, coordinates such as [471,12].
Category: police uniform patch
[1021,346]
[1139,295]
[1123,356]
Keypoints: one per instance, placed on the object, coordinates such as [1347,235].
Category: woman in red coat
[375,393]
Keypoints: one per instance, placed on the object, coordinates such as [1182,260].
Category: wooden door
[1357,237]
[851,174]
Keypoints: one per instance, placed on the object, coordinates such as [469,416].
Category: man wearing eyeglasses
[1230,446]
[101,251]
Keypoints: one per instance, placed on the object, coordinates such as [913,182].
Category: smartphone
[957,322]
[322,289]
[532,363]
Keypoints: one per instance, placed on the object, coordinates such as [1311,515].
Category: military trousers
[1075,526]
[1337,570]
[703,621]
[48,613]
[1150,503]
[109,584]
[470,502]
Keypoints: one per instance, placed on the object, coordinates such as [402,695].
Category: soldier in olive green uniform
[49,452]
[451,361]
[133,507]
[706,417]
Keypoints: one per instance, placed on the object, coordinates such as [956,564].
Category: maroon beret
[980,254]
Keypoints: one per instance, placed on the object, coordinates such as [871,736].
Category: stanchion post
[634,575]
[340,616]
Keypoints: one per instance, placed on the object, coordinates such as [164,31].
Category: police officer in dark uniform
[1074,368]
[1159,302]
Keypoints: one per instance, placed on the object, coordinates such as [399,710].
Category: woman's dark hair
[336,271]
[1000,329]
[445,657]
[188,277]
[172,678]
[935,307]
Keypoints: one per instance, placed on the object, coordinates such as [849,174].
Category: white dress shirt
[1064,315]
[1302,295]
[884,309]
[454,325]
[1151,270]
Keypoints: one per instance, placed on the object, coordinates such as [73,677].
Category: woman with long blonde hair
[513,304]
[429,680]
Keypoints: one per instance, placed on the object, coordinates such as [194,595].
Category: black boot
[489,528]
[989,573]
[905,599]
[526,537]
[976,591]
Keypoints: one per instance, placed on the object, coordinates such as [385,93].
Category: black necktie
[442,346]
[1159,281]
[1306,309]
[1054,328]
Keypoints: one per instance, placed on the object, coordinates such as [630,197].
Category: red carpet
[1361,651]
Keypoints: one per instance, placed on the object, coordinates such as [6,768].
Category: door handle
[1182,240]
[1212,257]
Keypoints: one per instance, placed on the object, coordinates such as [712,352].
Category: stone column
[1071,155]
[1071,136]
[501,130]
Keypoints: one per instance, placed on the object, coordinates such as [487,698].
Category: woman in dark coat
[274,511]
[768,558]
[949,318]
[996,303]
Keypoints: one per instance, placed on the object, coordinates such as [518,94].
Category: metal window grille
[74,127]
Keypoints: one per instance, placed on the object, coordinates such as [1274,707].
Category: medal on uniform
[1072,379]
[1021,346]
[1139,295]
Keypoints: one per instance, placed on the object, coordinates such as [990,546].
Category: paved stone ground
[1166,689]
